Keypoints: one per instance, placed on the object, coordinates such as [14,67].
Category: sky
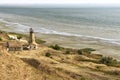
[11,2]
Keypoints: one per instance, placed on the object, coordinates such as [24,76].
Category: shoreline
[78,43]
[50,44]
[106,49]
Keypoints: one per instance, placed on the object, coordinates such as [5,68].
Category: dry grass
[12,68]
[34,65]
[72,66]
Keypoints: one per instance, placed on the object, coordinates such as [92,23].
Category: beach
[78,43]
[71,28]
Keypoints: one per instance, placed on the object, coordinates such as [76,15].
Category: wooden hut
[14,46]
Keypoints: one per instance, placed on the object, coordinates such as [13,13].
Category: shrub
[1,39]
[56,47]
[89,50]
[67,52]
[19,37]
[47,54]
[39,41]
[79,51]
[85,50]
[109,61]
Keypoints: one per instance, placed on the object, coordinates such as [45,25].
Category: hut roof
[15,44]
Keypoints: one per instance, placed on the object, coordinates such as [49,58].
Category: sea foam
[24,28]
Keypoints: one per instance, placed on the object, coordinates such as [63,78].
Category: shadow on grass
[32,62]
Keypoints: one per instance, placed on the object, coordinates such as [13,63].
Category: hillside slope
[12,68]
[54,63]
[61,66]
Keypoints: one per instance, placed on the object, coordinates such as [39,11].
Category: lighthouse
[32,43]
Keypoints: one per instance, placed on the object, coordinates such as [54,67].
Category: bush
[67,52]
[39,41]
[1,39]
[79,51]
[47,54]
[89,50]
[19,37]
[109,61]
[85,50]
[56,47]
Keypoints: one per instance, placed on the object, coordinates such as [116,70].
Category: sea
[101,24]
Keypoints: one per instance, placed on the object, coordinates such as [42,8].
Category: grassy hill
[57,63]
[12,68]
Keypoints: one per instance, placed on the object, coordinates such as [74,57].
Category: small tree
[47,54]
[108,61]
[79,51]
[56,47]
[67,52]
[19,37]
[85,50]
[1,39]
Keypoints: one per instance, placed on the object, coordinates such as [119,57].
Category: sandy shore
[105,49]
[77,42]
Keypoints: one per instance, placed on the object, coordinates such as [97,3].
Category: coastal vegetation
[1,39]
[57,63]
[109,61]
[39,41]
[19,36]
[67,52]
[56,47]
[85,50]
[47,54]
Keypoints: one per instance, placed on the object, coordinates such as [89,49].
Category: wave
[24,28]
[100,39]
[15,26]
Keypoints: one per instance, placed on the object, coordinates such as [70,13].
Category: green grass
[85,51]
[48,54]
[1,39]
[55,47]
[109,61]
[39,41]
[19,37]
[67,52]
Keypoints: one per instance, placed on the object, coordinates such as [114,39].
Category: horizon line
[59,5]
